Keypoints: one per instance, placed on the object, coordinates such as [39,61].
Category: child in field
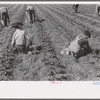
[21,41]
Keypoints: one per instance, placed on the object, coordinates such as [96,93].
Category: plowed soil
[55,25]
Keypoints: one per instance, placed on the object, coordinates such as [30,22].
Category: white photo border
[47,89]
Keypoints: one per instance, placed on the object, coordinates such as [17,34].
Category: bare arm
[13,40]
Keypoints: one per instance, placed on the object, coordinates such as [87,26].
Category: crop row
[8,56]
[51,58]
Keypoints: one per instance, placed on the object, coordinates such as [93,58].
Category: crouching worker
[4,16]
[30,47]
[20,41]
[30,14]
[79,47]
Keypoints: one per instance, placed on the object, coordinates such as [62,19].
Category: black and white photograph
[49,50]
[49,42]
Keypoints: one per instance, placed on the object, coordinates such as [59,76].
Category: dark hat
[19,23]
[87,33]
[16,24]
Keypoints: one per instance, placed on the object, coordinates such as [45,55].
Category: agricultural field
[55,25]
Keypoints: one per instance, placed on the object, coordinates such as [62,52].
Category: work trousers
[20,49]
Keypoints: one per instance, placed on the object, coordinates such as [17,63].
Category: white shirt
[19,37]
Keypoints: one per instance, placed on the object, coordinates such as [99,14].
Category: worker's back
[19,37]
[30,8]
[3,9]
[74,45]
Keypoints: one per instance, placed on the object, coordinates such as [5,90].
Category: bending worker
[30,13]
[75,7]
[4,16]
[98,9]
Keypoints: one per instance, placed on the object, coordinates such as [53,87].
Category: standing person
[75,7]
[19,39]
[4,16]
[78,47]
[30,13]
